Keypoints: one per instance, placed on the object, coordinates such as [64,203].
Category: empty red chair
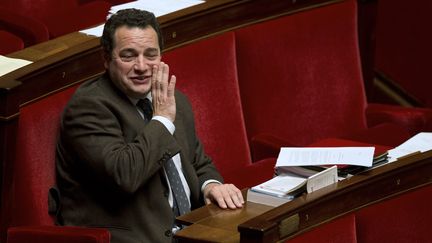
[301,81]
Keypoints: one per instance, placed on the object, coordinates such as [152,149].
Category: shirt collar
[135,100]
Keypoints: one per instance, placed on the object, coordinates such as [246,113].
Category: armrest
[413,119]
[54,234]
[267,146]
[27,28]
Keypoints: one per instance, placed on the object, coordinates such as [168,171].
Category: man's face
[134,54]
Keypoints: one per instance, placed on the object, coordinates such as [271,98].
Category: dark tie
[146,107]
[180,202]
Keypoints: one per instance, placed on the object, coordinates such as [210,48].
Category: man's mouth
[140,79]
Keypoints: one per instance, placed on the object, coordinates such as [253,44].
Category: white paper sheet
[362,156]
[159,8]
[421,142]
[322,179]
[8,64]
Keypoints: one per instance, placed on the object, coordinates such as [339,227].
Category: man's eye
[152,57]
[127,58]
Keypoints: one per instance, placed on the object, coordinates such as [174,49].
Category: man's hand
[163,90]
[225,195]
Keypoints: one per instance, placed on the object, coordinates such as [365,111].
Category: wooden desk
[212,223]
[260,223]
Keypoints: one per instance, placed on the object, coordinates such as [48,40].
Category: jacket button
[168,233]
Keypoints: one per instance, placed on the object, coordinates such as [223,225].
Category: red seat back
[33,172]
[10,43]
[206,73]
[301,74]
[61,17]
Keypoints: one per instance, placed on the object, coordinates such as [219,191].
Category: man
[115,161]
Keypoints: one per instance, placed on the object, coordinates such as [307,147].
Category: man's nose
[140,64]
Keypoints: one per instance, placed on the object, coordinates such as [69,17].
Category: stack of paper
[159,8]
[285,187]
[302,170]
[419,143]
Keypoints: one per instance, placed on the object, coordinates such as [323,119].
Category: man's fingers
[227,196]
[171,86]
[207,201]
[154,90]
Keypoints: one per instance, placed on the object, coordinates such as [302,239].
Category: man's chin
[140,93]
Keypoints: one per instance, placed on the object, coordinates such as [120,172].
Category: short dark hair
[130,18]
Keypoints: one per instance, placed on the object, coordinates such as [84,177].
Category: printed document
[362,156]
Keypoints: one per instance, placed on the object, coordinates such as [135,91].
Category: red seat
[61,17]
[25,207]
[301,81]
[30,30]
[10,42]
[206,73]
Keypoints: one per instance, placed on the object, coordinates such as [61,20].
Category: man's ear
[107,59]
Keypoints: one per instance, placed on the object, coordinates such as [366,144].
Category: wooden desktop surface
[260,223]
[211,223]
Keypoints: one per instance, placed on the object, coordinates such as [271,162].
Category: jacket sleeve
[93,134]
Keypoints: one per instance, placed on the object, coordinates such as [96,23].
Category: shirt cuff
[208,182]
[167,123]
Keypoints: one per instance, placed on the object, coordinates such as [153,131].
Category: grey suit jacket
[109,164]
